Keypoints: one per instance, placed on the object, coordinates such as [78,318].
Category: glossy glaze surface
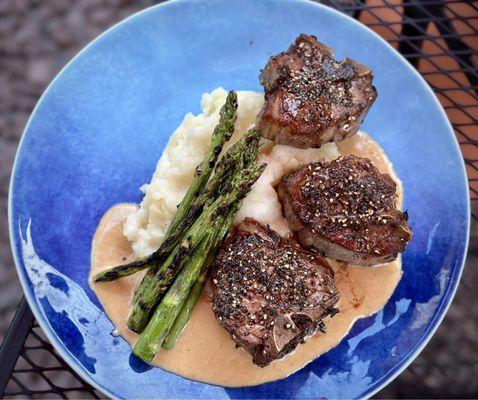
[99,129]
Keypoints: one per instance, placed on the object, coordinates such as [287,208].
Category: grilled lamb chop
[269,293]
[312,99]
[346,210]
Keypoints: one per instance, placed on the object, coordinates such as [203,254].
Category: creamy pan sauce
[205,352]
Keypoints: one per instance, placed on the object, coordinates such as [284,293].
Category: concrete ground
[38,37]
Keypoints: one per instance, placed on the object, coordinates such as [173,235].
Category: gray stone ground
[38,37]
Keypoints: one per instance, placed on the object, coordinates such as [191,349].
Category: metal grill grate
[32,368]
[438,37]
[38,356]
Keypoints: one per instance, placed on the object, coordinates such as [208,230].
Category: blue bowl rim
[387,378]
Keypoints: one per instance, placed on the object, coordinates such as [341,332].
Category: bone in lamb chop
[312,99]
[346,209]
[269,293]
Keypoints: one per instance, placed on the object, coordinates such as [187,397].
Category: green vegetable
[152,338]
[191,204]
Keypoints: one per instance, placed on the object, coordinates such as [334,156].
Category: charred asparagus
[187,308]
[192,202]
[151,340]
[149,295]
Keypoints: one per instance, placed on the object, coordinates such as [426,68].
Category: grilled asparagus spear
[150,295]
[193,200]
[151,340]
[187,308]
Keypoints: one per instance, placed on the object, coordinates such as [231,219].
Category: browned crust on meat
[269,293]
[310,98]
[346,209]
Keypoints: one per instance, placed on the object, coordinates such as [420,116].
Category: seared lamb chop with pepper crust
[269,293]
[346,209]
[312,99]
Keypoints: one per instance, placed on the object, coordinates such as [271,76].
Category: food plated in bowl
[118,187]
[300,200]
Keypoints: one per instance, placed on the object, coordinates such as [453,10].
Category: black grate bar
[412,29]
[387,5]
[13,343]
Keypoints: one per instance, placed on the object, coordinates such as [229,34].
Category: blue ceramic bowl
[98,130]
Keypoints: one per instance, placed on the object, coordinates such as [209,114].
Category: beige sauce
[205,352]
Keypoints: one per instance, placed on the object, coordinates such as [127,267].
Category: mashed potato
[145,228]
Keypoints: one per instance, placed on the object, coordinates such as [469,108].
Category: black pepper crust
[346,209]
[269,293]
[311,98]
